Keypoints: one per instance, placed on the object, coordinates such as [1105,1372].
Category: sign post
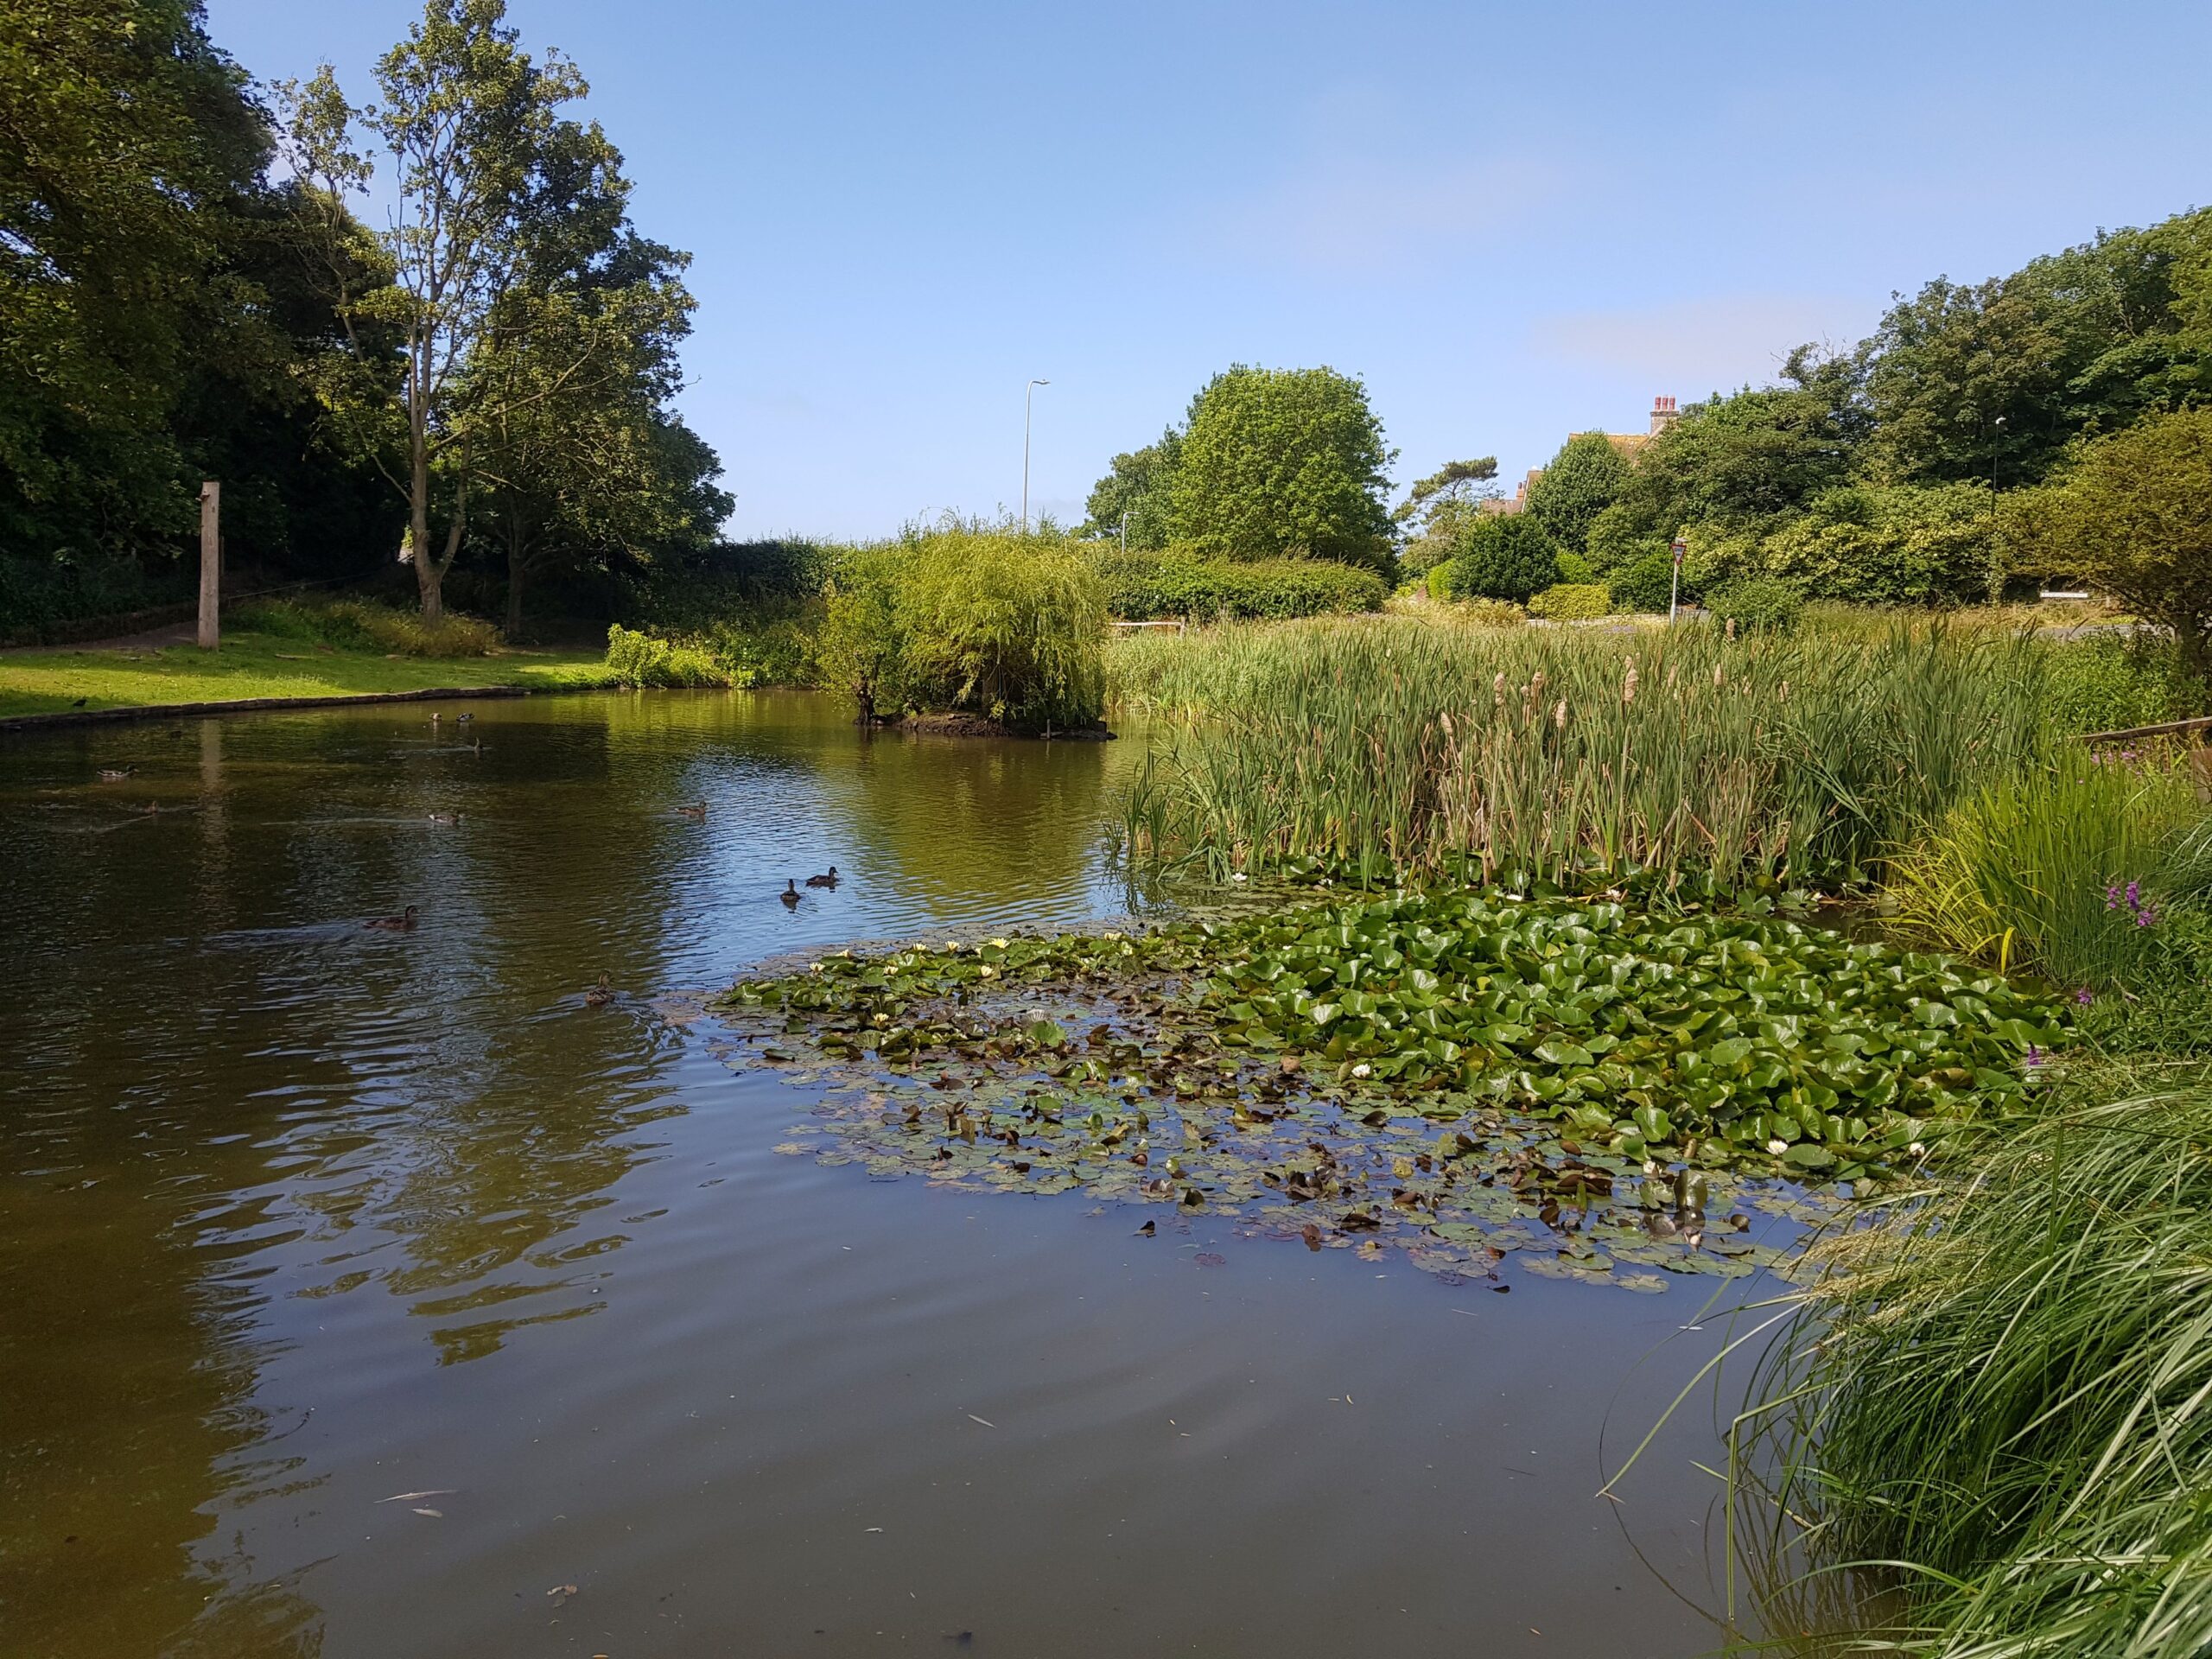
[1675,586]
[210,564]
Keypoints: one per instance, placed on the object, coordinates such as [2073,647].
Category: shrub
[1619,536]
[1141,587]
[1439,581]
[1757,605]
[364,625]
[1574,569]
[642,659]
[1504,555]
[1571,601]
[1648,584]
[1585,478]
[1004,625]
[2109,682]
[1900,545]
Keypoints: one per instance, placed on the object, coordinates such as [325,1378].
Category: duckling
[828,880]
[116,774]
[436,716]
[600,995]
[696,812]
[464,715]
[403,922]
[790,895]
[445,818]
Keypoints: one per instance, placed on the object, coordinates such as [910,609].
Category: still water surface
[372,1293]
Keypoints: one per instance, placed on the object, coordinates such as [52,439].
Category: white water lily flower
[987,971]
[1777,1146]
[813,966]
[953,945]
[998,945]
[1650,1168]
[1363,1070]
[1238,876]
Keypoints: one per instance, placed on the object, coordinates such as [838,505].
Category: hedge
[1141,587]
[1571,601]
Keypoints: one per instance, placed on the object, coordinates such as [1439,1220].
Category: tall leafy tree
[1284,460]
[2131,513]
[1585,478]
[1132,499]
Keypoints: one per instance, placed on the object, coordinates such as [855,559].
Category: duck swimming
[790,895]
[697,811]
[600,995]
[403,922]
[828,880]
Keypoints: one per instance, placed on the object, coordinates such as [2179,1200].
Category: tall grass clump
[2003,1392]
[1418,745]
[2063,869]
[364,625]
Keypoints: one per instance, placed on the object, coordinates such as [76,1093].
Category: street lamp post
[1675,588]
[1028,392]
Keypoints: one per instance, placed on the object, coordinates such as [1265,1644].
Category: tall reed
[1430,748]
[2004,1392]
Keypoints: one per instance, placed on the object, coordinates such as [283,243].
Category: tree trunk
[428,577]
[514,585]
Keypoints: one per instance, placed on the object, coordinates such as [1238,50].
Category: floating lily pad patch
[1455,1077]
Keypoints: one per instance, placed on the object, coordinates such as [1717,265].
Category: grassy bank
[255,665]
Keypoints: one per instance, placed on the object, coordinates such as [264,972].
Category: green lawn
[262,666]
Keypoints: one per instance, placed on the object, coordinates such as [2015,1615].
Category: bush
[1574,569]
[1004,625]
[643,659]
[1504,555]
[2109,682]
[1439,581]
[1899,545]
[1141,587]
[1571,601]
[1757,605]
[364,625]
[1648,584]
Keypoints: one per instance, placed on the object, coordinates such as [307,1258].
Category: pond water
[374,1292]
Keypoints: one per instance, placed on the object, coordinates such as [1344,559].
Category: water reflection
[304,1221]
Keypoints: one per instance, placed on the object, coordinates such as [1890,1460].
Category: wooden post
[210,564]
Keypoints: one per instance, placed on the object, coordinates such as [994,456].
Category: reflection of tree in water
[972,823]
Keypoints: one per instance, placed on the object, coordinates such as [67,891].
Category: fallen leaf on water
[410,1497]
[1312,1234]
[986,1421]
[435,1515]
[1210,1259]
[560,1594]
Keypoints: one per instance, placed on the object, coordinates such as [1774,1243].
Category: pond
[375,1291]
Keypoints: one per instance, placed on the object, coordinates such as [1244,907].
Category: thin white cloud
[1703,345]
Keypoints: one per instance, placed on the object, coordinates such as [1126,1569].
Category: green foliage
[1900,545]
[1453,488]
[2110,682]
[2132,516]
[1630,1032]
[2000,1390]
[1585,478]
[643,659]
[1277,461]
[1503,556]
[1571,601]
[862,649]
[364,625]
[1648,583]
[1144,586]
[1003,625]
[1133,499]
[1438,581]
[1757,605]
[2033,872]
[1419,748]
[1573,567]
[1618,537]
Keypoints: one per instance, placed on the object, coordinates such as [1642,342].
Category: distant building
[1630,444]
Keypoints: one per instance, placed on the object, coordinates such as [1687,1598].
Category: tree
[1438,506]
[1585,478]
[486,174]
[1134,496]
[1283,460]
[1747,460]
[2132,515]
[1504,555]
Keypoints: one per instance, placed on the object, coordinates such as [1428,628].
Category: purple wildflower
[2083,997]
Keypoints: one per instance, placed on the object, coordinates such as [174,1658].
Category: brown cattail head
[1497,688]
[1719,677]
[1558,713]
[1786,691]
[1731,627]
[1628,683]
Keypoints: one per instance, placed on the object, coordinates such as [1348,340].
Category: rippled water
[372,1293]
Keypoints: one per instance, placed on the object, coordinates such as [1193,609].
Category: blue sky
[1510,221]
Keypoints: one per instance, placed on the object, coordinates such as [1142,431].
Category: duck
[403,922]
[600,995]
[436,716]
[790,895]
[464,715]
[116,774]
[445,818]
[830,880]
[697,811]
